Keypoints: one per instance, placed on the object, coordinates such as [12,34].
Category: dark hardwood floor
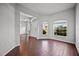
[48,47]
[14,52]
[52,48]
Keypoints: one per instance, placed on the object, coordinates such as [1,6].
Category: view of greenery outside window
[60,28]
[45,28]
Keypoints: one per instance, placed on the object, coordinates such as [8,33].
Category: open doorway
[25,32]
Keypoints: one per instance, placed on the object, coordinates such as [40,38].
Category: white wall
[77,27]
[34,29]
[68,15]
[17,25]
[7,28]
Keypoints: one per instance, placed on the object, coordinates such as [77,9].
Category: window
[60,28]
[45,28]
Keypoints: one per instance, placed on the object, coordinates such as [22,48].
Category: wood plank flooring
[43,47]
[46,47]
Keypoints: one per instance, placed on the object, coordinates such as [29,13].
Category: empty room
[39,29]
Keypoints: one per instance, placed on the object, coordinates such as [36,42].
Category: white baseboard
[59,40]
[66,41]
[10,49]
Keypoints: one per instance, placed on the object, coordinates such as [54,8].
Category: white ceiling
[47,8]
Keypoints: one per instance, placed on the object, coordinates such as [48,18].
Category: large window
[60,28]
